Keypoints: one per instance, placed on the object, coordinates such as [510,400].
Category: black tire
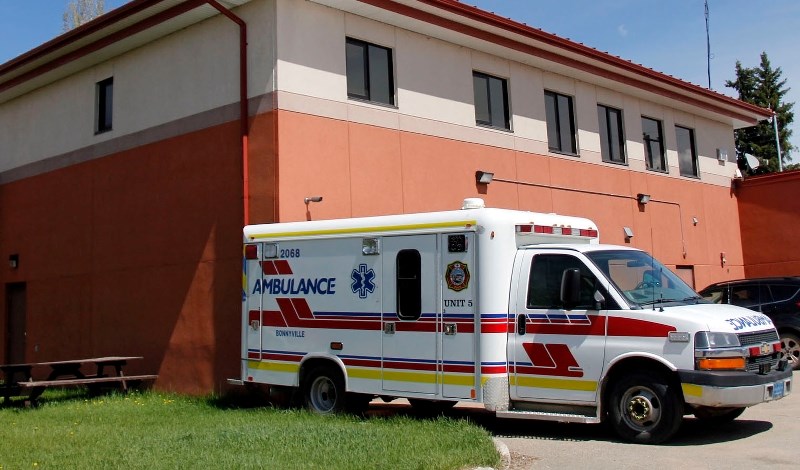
[430,407]
[323,390]
[645,408]
[716,416]
[790,349]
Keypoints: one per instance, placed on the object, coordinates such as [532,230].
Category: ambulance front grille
[747,339]
[760,364]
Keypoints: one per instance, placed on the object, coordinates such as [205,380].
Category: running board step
[546,416]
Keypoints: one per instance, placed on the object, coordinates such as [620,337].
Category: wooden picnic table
[18,378]
[12,374]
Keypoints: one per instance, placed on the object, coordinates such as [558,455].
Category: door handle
[388,328]
[521,320]
[450,329]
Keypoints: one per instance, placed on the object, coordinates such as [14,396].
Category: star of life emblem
[363,281]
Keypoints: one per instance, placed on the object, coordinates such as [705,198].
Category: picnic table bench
[18,378]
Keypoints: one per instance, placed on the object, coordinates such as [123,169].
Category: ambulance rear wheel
[324,390]
[645,408]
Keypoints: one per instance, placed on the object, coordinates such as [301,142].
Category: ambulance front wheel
[324,390]
[645,408]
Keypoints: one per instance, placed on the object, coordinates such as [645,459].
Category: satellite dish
[752,161]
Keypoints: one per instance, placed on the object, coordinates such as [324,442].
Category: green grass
[153,430]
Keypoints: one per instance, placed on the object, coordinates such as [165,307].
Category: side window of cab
[544,282]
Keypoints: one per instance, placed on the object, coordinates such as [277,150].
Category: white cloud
[622,30]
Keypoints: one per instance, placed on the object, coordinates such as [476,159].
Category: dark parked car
[776,297]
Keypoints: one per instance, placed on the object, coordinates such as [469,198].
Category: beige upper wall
[183,74]
[434,95]
[195,70]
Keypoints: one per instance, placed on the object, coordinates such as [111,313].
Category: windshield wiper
[664,301]
[659,301]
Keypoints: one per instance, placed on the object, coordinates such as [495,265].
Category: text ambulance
[524,313]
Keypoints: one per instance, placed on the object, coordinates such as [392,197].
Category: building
[135,147]
[769,211]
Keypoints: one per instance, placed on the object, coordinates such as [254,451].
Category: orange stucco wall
[362,170]
[139,253]
[769,211]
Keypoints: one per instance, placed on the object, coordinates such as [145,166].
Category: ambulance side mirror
[570,288]
[599,300]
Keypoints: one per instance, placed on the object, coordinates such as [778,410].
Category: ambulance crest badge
[457,276]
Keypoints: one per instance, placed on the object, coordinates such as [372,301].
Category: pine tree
[763,86]
[79,12]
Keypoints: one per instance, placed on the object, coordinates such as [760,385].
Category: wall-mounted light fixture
[695,221]
[13,261]
[483,177]
[311,199]
[642,198]
[628,233]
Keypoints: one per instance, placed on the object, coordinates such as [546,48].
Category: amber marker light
[721,363]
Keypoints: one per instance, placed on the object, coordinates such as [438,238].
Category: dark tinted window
[369,72]
[491,101]
[687,155]
[544,284]
[105,105]
[612,137]
[560,122]
[783,292]
[716,295]
[749,296]
[653,140]
[409,285]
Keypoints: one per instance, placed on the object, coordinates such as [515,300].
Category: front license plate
[777,390]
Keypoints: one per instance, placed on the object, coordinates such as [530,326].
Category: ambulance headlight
[713,339]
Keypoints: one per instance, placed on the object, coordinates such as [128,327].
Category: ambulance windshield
[642,279]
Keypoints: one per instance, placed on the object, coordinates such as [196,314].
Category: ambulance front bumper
[734,389]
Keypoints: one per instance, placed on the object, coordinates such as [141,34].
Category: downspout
[244,111]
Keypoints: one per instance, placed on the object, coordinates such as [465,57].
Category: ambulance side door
[557,354]
[411,313]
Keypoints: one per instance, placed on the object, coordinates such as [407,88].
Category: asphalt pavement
[761,438]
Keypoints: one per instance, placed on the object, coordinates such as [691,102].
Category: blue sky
[665,35]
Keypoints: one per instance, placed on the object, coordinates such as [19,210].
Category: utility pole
[777,140]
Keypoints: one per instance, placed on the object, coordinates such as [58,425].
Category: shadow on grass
[53,395]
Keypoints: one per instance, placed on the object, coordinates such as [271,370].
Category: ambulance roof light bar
[556,230]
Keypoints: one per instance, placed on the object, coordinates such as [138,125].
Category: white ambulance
[524,313]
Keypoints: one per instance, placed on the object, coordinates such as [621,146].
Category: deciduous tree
[79,12]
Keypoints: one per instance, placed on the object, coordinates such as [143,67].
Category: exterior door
[459,325]
[558,354]
[15,323]
[252,321]
[411,314]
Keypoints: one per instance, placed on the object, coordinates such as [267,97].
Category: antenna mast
[708,48]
